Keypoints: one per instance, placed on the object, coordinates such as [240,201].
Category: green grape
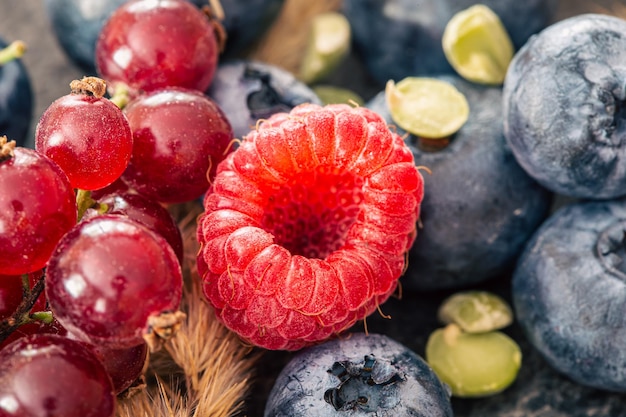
[426,107]
[477,45]
[473,364]
[476,311]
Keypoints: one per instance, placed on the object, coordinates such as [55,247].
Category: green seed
[330,94]
[329,43]
[476,311]
[473,365]
[477,45]
[427,107]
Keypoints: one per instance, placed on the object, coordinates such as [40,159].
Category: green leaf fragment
[478,46]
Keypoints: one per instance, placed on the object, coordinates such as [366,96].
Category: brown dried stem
[92,86]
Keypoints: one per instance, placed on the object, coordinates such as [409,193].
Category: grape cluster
[90,271]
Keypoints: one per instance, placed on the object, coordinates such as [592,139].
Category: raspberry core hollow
[306,225]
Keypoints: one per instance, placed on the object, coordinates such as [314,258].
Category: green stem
[25,286]
[84,202]
[121,95]
[12,52]
[42,316]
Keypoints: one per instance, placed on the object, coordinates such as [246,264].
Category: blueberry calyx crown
[265,101]
[364,386]
[611,249]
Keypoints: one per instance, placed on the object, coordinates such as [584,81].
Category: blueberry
[564,114]
[76,25]
[401,38]
[569,292]
[359,375]
[249,90]
[16,100]
[479,206]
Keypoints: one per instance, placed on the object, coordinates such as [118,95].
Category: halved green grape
[473,364]
[477,45]
[476,311]
[329,43]
[330,94]
[426,107]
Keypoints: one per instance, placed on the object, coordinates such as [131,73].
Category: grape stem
[91,86]
[215,13]
[22,313]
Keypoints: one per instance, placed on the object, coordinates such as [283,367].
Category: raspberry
[307,224]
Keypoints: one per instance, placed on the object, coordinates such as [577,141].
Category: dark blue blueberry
[569,292]
[359,375]
[564,96]
[401,38]
[479,206]
[16,100]
[249,90]
[77,24]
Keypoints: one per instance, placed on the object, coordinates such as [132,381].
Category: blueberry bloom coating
[569,292]
[401,38]
[563,107]
[479,206]
[359,375]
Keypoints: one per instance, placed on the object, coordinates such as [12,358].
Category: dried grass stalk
[204,370]
[285,42]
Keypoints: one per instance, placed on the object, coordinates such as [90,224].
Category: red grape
[109,277]
[37,207]
[148,44]
[87,136]
[124,366]
[11,290]
[117,186]
[50,375]
[178,136]
[144,211]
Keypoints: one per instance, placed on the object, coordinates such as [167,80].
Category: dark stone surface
[538,392]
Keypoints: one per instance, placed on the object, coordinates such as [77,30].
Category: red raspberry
[307,224]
